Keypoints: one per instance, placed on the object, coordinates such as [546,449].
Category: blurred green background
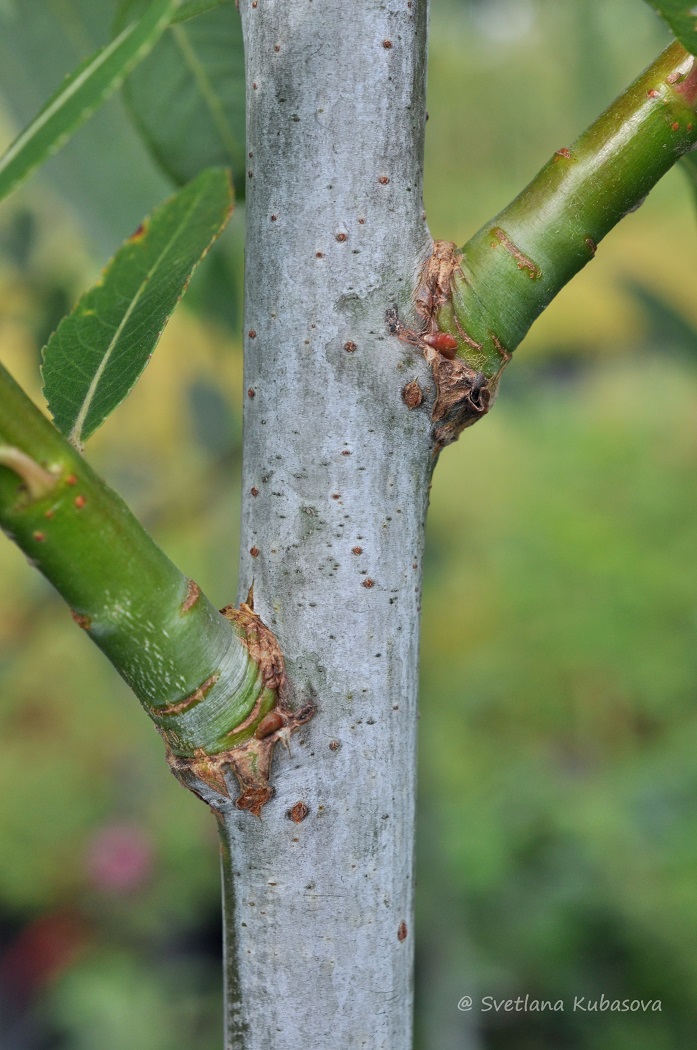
[558,781]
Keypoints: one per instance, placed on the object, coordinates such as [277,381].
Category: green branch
[213,684]
[514,266]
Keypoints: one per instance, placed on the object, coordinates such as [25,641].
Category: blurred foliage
[558,787]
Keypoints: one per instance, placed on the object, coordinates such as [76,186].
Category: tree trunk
[319,892]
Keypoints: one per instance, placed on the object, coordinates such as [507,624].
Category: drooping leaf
[82,92]
[98,352]
[681,16]
[188,98]
[192,8]
[35,51]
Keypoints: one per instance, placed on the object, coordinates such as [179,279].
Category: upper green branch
[478,303]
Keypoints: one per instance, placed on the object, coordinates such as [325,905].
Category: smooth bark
[319,893]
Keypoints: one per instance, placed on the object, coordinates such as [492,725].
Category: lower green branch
[208,681]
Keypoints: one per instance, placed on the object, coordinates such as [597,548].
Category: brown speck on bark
[273,218]
[80,502]
[71,480]
[356,550]
[590,245]
[254,491]
[675,126]
[39,537]
[361,222]
[341,236]
[368,583]
[250,392]
[254,551]
[346,452]
[652,93]
[387,44]
[277,48]
[254,3]
[250,174]
[563,152]
[336,495]
[82,621]
[349,347]
[193,593]
[254,85]
[412,394]
[402,931]
[334,745]
[673,78]
[298,812]
[252,334]
[383,180]
[250,154]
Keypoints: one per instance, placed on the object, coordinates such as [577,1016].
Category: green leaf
[192,8]
[188,98]
[98,352]
[681,16]
[689,166]
[35,51]
[83,91]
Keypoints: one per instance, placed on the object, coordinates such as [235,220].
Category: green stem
[515,265]
[190,667]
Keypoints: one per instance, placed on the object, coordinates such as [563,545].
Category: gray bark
[319,930]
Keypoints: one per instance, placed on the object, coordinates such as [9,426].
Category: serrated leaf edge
[75,435]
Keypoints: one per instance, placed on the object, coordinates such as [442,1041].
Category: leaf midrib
[75,436]
[206,88]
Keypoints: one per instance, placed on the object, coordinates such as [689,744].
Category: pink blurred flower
[119,859]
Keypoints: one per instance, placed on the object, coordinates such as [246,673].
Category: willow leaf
[188,98]
[681,16]
[97,353]
[192,8]
[82,93]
